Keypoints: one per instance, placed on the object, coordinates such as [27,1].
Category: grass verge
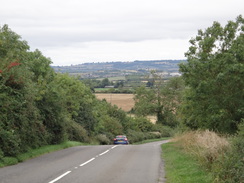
[6,161]
[181,167]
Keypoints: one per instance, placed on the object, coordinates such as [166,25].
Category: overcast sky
[78,31]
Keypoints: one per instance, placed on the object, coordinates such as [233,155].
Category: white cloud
[71,32]
[105,51]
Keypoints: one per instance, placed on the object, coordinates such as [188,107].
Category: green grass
[101,89]
[181,167]
[6,161]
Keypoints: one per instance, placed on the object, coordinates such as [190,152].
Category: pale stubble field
[123,101]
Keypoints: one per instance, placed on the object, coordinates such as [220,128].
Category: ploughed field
[123,101]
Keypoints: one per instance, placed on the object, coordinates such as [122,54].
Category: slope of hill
[95,70]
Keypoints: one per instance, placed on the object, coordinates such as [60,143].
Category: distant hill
[92,69]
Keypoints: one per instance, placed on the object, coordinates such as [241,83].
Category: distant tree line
[96,83]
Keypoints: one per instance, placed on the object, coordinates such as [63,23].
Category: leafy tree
[12,48]
[105,82]
[107,121]
[92,83]
[71,102]
[119,84]
[214,75]
[39,65]
[20,120]
[161,99]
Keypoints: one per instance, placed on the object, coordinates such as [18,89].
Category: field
[123,101]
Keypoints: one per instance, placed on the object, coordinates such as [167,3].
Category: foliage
[114,90]
[19,116]
[135,136]
[76,132]
[37,106]
[162,99]
[95,83]
[205,146]
[143,124]
[221,156]
[103,139]
[108,118]
[214,75]
[229,167]
[165,131]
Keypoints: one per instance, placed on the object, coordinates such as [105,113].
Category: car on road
[121,139]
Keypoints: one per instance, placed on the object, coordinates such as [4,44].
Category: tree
[214,75]
[105,82]
[161,99]
[21,127]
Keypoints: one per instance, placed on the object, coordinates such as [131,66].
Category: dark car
[121,139]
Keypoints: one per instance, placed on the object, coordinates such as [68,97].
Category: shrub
[9,143]
[205,146]
[143,124]
[103,139]
[135,136]
[230,167]
[165,131]
[77,133]
[1,154]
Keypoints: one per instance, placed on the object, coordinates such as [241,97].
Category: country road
[91,164]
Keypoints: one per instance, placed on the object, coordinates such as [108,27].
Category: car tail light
[125,138]
[115,139]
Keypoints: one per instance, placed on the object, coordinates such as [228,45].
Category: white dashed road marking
[83,164]
[103,153]
[60,177]
[87,162]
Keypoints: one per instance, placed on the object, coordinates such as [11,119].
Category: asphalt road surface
[91,164]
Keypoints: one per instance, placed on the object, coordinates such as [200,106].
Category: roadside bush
[165,131]
[143,124]
[1,154]
[77,133]
[103,139]
[229,167]
[9,143]
[135,136]
[205,146]
[110,136]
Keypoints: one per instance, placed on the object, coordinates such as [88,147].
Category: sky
[72,32]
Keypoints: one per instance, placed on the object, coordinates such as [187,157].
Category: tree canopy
[161,99]
[214,75]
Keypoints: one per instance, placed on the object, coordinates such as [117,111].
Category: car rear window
[120,138]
